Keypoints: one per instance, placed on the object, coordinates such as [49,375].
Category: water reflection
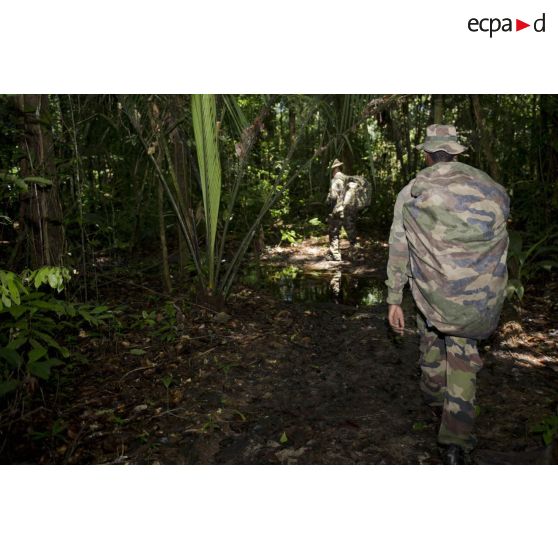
[291,284]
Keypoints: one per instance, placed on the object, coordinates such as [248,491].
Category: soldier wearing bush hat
[441,137]
[449,236]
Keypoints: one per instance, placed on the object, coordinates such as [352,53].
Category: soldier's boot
[454,455]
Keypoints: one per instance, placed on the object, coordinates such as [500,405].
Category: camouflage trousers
[348,221]
[449,375]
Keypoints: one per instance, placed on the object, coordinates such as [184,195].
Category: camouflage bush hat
[336,163]
[441,137]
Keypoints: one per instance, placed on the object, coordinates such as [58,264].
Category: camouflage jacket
[336,193]
[449,235]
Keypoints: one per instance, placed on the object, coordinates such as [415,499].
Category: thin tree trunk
[40,207]
[549,149]
[163,238]
[181,169]
[484,138]
[396,133]
[437,109]
[292,126]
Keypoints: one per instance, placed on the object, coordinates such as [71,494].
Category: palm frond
[205,133]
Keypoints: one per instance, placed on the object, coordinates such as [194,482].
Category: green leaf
[11,179]
[54,279]
[52,305]
[14,291]
[207,149]
[40,369]
[38,180]
[283,439]
[52,343]
[18,341]
[18,311]
[515,286]
[99,309]
[54,362]
[36,354]
[548,436]
[86,315]
[35,344]
[11,356]
[137,352]
[8,386]
[40,276]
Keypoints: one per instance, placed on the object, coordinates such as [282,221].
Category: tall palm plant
[204,121]
[216,279]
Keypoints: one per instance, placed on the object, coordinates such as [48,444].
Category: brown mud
[287,376]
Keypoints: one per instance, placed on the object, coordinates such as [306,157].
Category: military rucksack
[358,192]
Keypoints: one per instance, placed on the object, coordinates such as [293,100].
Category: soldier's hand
[396,319]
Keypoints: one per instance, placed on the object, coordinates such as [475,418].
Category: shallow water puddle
[292,284]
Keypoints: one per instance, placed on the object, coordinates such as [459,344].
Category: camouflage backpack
[358,193]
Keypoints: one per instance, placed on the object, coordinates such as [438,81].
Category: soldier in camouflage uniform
[343,211]
[449,240]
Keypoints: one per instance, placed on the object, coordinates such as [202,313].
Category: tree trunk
[163,238]
[549,138]
[396,134]
[40,207]
[549,152]
[484,138]
[437,109]
[292,126]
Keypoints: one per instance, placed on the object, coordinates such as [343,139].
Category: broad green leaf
[36,354]
[52,305]
[18,311]
[18,342]
[13,287]
[11,179]
[40,277]
[99,309]
[86,315]
[40,369]
[54,279]
[137,352]
[283,439]
[52,343]
[11,356]
[36,345]
[207,150]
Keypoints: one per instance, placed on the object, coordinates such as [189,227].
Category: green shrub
[32,318]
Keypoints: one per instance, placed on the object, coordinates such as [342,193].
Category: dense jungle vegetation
[130,226]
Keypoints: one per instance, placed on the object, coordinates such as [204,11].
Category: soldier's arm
[398,268]
[332,194]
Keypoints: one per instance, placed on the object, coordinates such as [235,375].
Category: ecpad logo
[493,25]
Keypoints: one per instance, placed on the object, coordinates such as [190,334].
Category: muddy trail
[301,368]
